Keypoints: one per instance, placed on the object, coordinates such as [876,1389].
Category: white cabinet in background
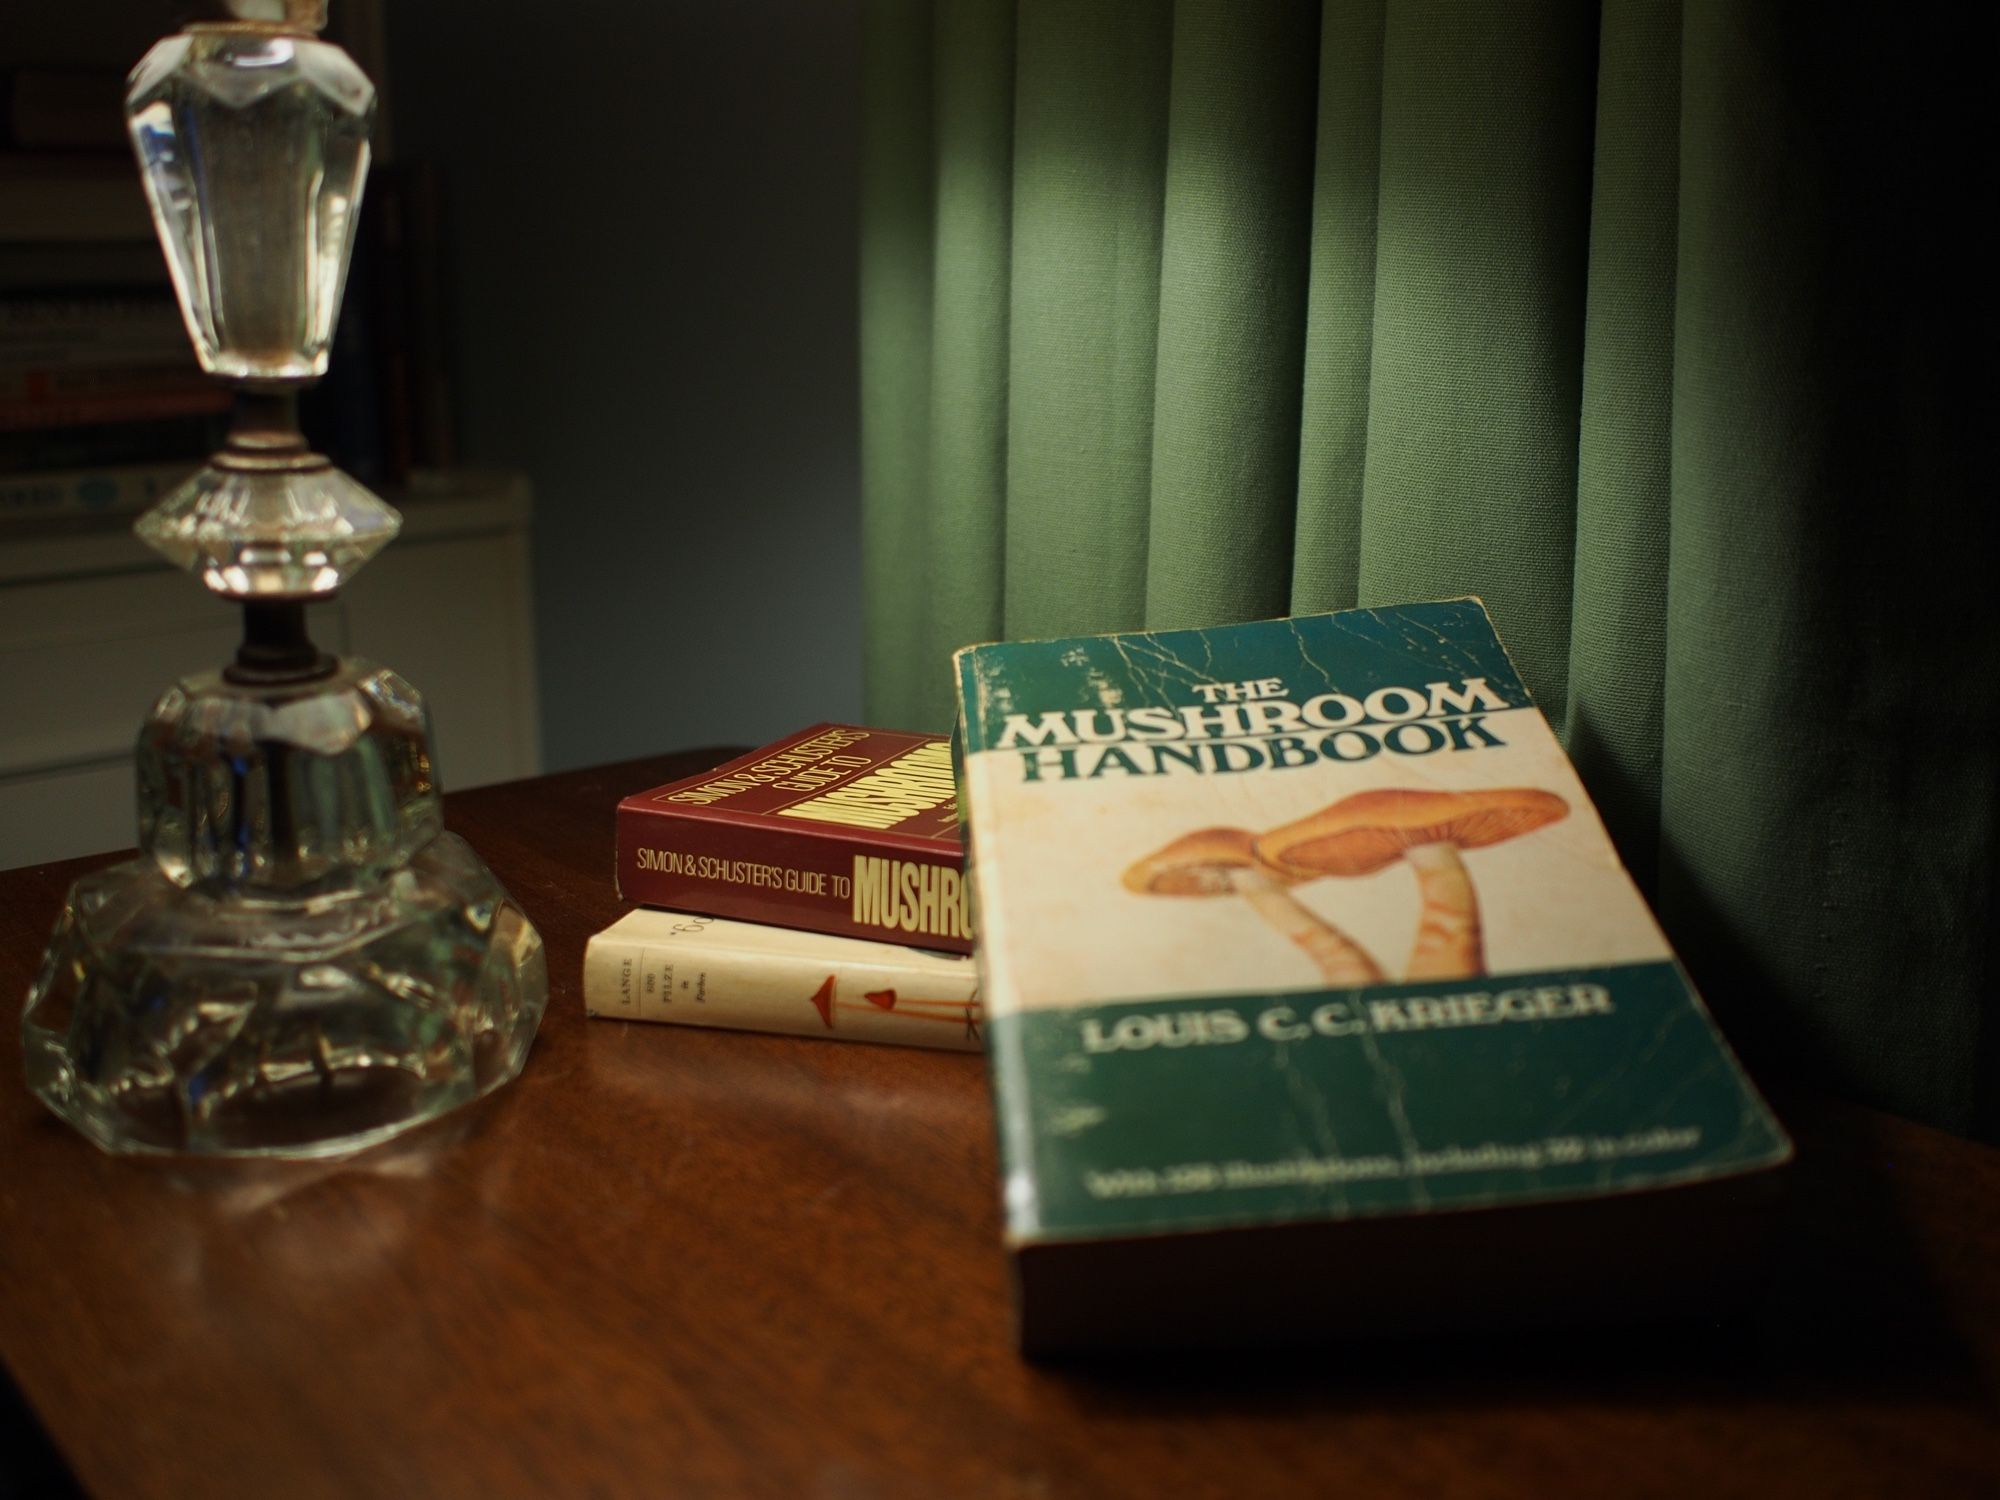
[93,626]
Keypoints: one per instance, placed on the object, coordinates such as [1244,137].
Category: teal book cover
[1312,920]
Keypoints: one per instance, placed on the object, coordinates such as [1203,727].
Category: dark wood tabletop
[676,1262]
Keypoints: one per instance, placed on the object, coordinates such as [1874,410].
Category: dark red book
[833,829]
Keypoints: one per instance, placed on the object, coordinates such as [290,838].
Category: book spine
[77,267]
[116,351]
[77,411]
[681,980]
[436,443]
[58,383]
[91,325]
[851,887]
[70,109]
[353,412]
[45,207]
[111,444]
[89,491]
[389,322]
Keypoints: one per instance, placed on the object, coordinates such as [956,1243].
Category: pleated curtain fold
[1660,325]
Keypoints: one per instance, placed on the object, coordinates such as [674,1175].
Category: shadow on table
[1845,1311]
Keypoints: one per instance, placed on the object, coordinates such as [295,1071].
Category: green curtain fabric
[1659,324]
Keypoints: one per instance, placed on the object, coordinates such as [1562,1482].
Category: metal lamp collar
[273,17]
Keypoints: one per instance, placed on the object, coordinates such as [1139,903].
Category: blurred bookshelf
[103,409]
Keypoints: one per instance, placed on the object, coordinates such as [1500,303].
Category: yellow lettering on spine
[949,924]
[871,891]
[908,896]
[927,902]
[770,768]
[912,783]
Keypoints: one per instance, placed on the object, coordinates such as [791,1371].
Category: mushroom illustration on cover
[1360,835]
[1307,901]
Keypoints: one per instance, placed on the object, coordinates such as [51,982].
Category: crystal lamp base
[301,963]
[170,1019]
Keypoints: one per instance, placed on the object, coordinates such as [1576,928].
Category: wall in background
[650,267]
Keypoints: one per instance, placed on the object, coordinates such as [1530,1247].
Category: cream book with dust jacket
[1304,928]
[696,970]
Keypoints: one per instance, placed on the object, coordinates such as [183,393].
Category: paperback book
[1318,999]
[708,971]
[834,829]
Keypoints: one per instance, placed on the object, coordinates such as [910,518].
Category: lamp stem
[276,648]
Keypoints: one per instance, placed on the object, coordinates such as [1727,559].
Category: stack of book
[813,887]
[1315,999]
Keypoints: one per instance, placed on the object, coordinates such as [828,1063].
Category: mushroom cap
[1198,864]
[1359,835]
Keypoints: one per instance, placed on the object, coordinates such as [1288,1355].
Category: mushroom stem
[1449,943]
[1344,962]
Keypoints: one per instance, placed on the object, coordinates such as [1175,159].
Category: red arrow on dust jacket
[823,1001]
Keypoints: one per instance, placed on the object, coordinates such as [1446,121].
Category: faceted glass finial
[270,534]
[253,144]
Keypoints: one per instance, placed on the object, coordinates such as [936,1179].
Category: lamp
[301,961]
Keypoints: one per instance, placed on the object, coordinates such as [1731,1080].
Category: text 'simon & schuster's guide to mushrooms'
[1319,1002]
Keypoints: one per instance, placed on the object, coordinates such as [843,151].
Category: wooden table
[670,1262]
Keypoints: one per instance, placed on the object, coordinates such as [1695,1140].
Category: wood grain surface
[676,1262]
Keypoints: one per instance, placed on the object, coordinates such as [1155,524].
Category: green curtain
[1659,324]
